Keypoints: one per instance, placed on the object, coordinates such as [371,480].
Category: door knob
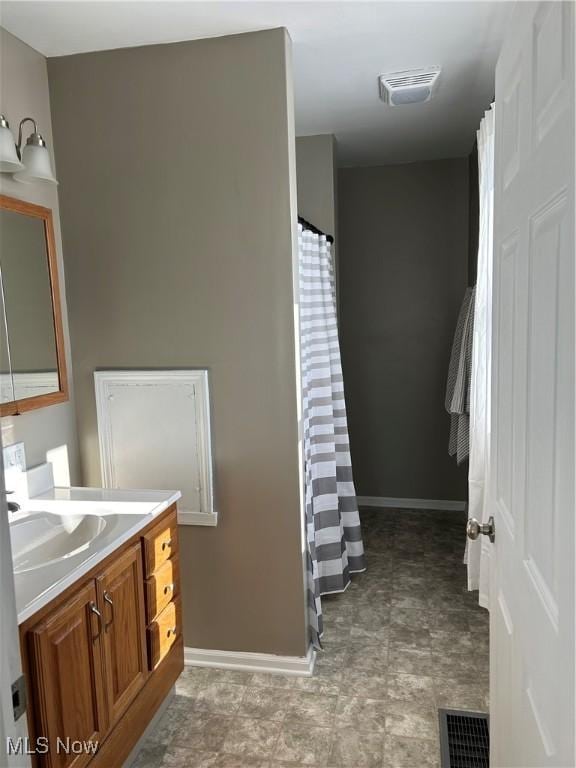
[474,529]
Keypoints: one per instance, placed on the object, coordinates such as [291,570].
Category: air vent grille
[464,739]
[411,79]
[409,86]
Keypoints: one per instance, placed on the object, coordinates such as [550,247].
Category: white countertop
[125,511]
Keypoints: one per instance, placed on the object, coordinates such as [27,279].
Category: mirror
[32,364]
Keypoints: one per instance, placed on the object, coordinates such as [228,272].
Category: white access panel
[154,433]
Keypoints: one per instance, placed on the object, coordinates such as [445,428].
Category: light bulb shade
[37,165]
[8,158]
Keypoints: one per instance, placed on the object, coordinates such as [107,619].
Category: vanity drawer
[162,587]
[163,632]
[160,543]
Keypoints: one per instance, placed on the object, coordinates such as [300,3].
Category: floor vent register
[464,739]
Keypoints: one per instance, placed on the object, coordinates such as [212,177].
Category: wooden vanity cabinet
[160,543]
[162,586]
[121,600]
[91,677]
[163,605]
[66,668]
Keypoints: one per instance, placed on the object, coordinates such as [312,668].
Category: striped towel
[457,400]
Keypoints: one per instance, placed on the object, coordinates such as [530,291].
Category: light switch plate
[14,457]
[14,467]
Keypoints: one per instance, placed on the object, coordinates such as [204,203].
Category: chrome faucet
[13,506]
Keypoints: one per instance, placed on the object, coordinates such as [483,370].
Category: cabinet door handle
[97,613]
[108,599]
[166,544]
[168,588]
[171,632]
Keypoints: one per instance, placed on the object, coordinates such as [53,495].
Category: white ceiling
[339,49]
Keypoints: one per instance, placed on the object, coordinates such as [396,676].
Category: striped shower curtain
[334,538]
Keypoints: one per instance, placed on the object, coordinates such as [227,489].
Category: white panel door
[531,488]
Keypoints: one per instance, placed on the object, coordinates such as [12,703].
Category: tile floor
[398,645]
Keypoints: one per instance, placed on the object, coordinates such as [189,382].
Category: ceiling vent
[412,86]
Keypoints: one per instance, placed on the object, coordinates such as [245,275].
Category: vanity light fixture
[34,156]
[9,160]
[29,163]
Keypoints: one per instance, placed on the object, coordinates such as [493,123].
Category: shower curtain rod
[312,228]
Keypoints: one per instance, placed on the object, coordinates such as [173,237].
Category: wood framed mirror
[32,357]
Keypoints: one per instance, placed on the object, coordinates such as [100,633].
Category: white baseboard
[389,501]
[185,517]
[302,666]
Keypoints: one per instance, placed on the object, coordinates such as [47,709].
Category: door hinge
[19,697]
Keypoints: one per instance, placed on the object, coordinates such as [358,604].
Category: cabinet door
[121,600]
[66,661]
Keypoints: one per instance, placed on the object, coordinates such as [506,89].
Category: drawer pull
[97,613]
[168,588]
[166,544]
[108,599]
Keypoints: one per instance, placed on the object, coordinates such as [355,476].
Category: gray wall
[24,88]
[317,181]
[176,165]
[403,252]
[316,178]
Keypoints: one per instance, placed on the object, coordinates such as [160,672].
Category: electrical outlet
[19,697]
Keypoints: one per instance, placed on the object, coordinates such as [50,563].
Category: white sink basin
[44,538]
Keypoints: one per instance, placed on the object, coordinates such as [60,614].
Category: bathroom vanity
[96,571]
[98,596]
